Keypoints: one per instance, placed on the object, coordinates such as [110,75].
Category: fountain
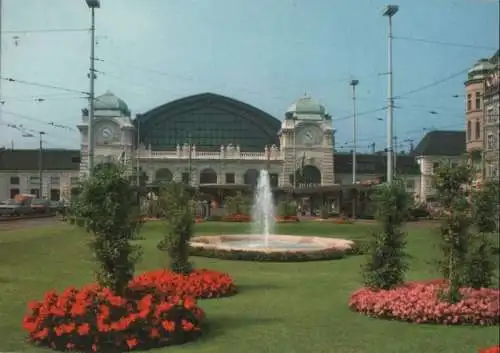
[262,238]
[263,220]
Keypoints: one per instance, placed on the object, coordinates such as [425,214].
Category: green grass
[282,307]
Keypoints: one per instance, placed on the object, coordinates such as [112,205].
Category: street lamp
[389,11]
[353,84]
[40,165]
[92,4]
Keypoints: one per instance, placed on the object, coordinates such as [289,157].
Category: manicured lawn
[282,308]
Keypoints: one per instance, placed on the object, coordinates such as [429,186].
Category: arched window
[308,176]
[163,175]
[208,176]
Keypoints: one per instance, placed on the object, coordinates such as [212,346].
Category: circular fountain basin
[288,247]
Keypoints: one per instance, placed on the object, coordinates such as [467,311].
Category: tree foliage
[453,185]
[176,208]
[386,263]
[480,265]
[237,204]
[110,212]
[287,208]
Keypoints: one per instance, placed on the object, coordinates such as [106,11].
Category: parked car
[40,206]
[13,207]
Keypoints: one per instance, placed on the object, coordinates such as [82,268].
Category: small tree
[109,210]
[286,209]
[452,185]
[176,208]
[480,266]
[237,204]
[386,264]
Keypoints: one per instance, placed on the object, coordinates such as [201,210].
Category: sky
[267,53]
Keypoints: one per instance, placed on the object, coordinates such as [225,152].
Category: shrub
[107,208]
[94,319]
[480,265]
[452,184]
[286,209]
[238,204]
[176,209]
[386,263]
[325,212]
[199,283]
[419,303]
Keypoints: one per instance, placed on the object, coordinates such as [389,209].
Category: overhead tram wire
[53,30]
[450,44]
[42,85]
[51,123]
[432,84]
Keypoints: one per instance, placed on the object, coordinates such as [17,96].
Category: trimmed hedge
[282,256]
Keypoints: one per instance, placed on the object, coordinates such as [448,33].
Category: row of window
[54,180]
[477,101]
[55,194]
[477,130]
[492,142]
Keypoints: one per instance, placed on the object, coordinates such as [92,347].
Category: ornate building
[213,143]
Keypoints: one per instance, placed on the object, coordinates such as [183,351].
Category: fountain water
[263,208]
[263,239]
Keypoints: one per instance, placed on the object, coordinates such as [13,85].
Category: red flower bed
[418,302]
[237,218]
[287,219]
[493,349]
[93,319]
[200,283]
[199,220]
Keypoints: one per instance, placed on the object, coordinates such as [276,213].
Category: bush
[200,283]
[419,303]
[386,263]
[94,319]
[480,265]
[176,208]
[287,208]
[237,205]
[452,184]
[108,209]
[325,212]
[214,218]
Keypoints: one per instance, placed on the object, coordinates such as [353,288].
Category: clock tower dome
[306,138]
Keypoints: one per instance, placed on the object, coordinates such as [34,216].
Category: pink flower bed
[419,302]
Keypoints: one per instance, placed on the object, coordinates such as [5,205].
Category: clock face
[106,132]
[310,135]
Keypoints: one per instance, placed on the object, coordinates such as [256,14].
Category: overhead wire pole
[92,4]
[353,84]
[40,165]
[390,11]
[1,25]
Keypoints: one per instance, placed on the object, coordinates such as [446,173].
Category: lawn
[281,307]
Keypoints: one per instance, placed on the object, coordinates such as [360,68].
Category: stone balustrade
[225,153]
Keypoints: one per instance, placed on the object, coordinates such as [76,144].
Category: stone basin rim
[320,244]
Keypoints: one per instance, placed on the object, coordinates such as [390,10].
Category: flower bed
[287,219]
[492,349]
[201,283]
[418,302]
[237,218]
[93,319]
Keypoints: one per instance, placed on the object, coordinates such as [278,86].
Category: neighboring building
[212,142]
[437,147]
[474,108]
[491,154]
[19,173]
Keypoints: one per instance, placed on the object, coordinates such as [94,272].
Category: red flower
[419,302]
[492,349]
[68,320]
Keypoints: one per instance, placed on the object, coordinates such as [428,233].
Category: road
[27,223]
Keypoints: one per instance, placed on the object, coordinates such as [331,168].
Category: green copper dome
[306,105]
[108,101]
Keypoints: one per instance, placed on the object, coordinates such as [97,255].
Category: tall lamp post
[389,11]
[92,4]
[40,165]
[353,84]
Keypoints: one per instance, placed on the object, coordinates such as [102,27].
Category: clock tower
[306,139]
[113,132]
